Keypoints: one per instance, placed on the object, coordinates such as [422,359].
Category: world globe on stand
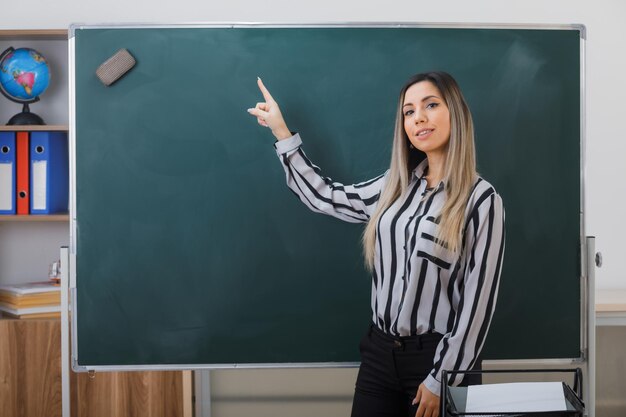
[24,76]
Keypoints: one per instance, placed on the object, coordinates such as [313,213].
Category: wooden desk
[610,307]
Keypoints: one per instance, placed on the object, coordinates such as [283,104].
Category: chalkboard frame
[586,306]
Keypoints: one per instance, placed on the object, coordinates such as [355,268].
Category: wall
[606,63]
[605,170]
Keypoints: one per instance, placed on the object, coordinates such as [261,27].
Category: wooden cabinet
[30,368]
[126,394]
[30,380]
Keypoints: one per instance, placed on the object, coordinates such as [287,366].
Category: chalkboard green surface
[190,248]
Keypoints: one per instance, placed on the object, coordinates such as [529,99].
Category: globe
[24,76]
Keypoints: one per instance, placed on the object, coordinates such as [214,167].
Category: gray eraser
[115,67]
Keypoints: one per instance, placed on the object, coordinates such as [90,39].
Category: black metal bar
[443,393]
[503,371]
[578,383]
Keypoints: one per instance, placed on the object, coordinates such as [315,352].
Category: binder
[7,173]
[49,183]
[22,171]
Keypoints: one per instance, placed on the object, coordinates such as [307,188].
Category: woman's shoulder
[482,190]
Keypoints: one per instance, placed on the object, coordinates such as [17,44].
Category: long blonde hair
[459,173]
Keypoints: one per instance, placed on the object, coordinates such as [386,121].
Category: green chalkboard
[190,248]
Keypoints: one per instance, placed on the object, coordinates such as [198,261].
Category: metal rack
[453,398]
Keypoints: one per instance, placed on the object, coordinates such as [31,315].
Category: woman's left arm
[484,246]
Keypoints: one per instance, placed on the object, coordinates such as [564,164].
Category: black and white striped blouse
[418,285]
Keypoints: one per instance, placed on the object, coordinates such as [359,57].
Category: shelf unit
[29,243]
[30,350]
[30,359]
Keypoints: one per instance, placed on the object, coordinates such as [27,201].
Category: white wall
[27,249]
[606,66]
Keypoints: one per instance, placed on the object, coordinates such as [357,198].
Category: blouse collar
[420,172]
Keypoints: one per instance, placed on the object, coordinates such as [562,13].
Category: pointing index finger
[266,93]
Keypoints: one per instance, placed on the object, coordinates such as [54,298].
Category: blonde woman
[434,242]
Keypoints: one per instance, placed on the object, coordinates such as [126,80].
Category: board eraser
[115,67]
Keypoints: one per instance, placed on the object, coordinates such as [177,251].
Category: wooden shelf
[33,128]
[7,318]
[611,300]
[611,307]
[27,34]
[35,218]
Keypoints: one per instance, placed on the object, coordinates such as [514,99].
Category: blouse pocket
[431,248]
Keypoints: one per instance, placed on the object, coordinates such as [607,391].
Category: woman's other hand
[268,114]
[428,402]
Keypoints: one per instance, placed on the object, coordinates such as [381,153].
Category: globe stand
[25,118]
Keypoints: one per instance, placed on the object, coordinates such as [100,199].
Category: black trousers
[392,368]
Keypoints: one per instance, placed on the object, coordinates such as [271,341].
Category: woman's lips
[424,134]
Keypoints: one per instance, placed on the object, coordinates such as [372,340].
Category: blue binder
[7,172]
[49,173]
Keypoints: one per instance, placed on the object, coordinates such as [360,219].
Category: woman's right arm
[352,203]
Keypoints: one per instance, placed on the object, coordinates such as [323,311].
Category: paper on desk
[516,397]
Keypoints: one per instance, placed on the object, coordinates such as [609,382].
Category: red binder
[22,167]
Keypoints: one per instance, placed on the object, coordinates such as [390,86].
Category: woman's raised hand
[268,114]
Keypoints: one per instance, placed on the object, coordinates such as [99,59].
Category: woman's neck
[435,169]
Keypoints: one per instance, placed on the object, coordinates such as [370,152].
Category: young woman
[434,241]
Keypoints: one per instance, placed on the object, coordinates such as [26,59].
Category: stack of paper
[31,300]
[519,397]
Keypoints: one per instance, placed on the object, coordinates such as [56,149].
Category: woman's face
[426,118]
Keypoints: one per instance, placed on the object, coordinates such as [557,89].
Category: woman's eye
[432,105]
[408,112]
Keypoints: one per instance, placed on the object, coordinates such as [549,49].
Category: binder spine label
[38,193]
[6,193]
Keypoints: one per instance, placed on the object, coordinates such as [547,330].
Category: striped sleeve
[351,203]
[484,245]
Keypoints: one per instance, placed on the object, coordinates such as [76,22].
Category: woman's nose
[420,117]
